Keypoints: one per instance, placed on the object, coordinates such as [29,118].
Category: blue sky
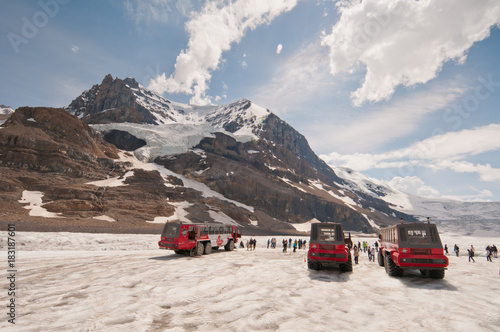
[404,91]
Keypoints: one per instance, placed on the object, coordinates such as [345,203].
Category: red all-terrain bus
[412,246]
[328,247]
[198,239]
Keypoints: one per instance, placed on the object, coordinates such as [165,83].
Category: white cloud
[302,78]
[279,48]
[441,152]
[413,185]
[389,123]
[486,172]
[403,42]
[211,32]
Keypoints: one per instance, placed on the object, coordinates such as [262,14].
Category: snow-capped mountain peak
[6,110]
[240,118]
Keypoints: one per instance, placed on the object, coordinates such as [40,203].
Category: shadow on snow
[413,279]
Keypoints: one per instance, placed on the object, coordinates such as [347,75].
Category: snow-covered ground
[105,282]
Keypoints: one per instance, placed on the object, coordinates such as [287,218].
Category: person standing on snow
[446,248]
[471,254]
[356,254]
[489,254]
[457,250]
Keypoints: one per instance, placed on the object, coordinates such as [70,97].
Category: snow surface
[105,218]
[34,199]
[179,214]
[111,282]
[165,173]
[113,182]
[6,110]
[181,127]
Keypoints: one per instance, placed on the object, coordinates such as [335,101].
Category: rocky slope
[240,150]
[237,163]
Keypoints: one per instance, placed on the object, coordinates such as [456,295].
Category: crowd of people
[364,247]
[491,251]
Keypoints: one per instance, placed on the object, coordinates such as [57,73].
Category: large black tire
[229,246]
[380,258]
[313,265]
[347,266]
[199,249]
[436,274]
[392,269]
[208,248]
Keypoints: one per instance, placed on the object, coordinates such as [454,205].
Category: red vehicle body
[327,247]
[412,246]
[198,239]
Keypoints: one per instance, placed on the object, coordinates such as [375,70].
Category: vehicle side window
[191,232]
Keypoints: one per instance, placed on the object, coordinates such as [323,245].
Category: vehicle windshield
[418,236]
[326,234]
[171,230]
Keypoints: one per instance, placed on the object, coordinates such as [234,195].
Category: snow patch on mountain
[34,199]
[188,183]
[6,110]
[459,216]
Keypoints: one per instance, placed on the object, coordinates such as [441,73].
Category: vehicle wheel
[313,265]
[424,273]
[380,258]
[229,246]
[436,274]
[200,248]
[346,267]
[208,248]
[392,269]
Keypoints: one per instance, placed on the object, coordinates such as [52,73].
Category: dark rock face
[110,102]
[52,140]
[284,135]
[124,140]
[230,169]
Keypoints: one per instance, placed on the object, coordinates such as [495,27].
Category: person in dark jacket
[471,254]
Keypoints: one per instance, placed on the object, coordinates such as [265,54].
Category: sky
[403,91]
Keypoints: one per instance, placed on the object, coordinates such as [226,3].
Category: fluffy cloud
[390,122]
[211,32]
[440,152]
[413,185]
[404,42]
[301,78]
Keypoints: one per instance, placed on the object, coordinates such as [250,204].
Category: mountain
[452,215]
[6,110]
[241,150]
[123,159]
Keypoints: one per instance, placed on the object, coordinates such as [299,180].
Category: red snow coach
[414,246]
[198,239]
[328,247]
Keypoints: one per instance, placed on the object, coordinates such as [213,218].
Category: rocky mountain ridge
[237,163]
